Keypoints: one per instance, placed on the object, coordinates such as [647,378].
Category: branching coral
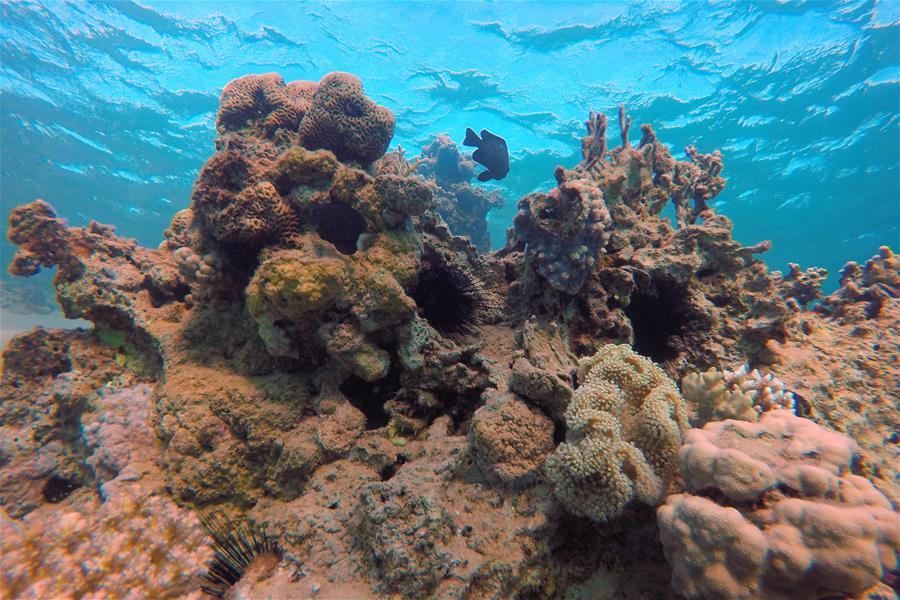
[864,290]
[786,519]
[803,287]
[741,394]
[624,426]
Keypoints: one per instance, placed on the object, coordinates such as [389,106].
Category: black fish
[491,153]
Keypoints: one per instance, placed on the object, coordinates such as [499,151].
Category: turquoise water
[108,108]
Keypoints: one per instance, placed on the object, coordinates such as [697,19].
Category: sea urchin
[236,544]
[450,296]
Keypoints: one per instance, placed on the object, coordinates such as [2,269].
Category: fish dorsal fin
[471,138]
[484,176]
[487,135]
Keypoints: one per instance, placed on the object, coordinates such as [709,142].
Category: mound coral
[510,439]
[265,102]
[341,119]
[624,426]
[773,510]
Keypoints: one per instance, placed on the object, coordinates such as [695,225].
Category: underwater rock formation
[596,250]
[772,510]
[318,346]
[462,206]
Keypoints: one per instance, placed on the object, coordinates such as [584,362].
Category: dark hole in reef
[158,297]
[460,407]
[559,433]
[656,315]
[340,224]
[370,397]
[57,489]
[390,469]
[449,296]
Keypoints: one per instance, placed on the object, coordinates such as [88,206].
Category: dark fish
[491,153]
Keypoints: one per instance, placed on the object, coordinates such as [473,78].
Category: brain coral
[788,519]
[343,120]
[247,100]
[625,423]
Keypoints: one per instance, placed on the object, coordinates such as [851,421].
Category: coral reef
[596,251]
[623,430]
[864,290]
[322,350]
[463,207]
[741,394]
[844,375]
[772,509]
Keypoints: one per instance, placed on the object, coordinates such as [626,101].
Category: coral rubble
[323,350]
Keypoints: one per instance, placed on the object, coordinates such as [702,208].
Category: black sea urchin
[450,296]
[235,546]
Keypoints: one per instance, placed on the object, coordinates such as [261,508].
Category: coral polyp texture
[324,349]
[624,426]
[772,509]
[740,394]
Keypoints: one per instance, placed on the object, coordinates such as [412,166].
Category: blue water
[108,108]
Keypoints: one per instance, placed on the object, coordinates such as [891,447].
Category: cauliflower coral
[624,427]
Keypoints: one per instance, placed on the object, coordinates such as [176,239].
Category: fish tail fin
[484,176]
[472,138]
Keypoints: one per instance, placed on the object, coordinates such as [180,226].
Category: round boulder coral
[785,517]
[510,440]
[263,100]
[341,119]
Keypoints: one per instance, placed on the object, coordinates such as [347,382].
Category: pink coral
[772,510]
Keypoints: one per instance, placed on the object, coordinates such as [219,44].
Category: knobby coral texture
[322,348]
